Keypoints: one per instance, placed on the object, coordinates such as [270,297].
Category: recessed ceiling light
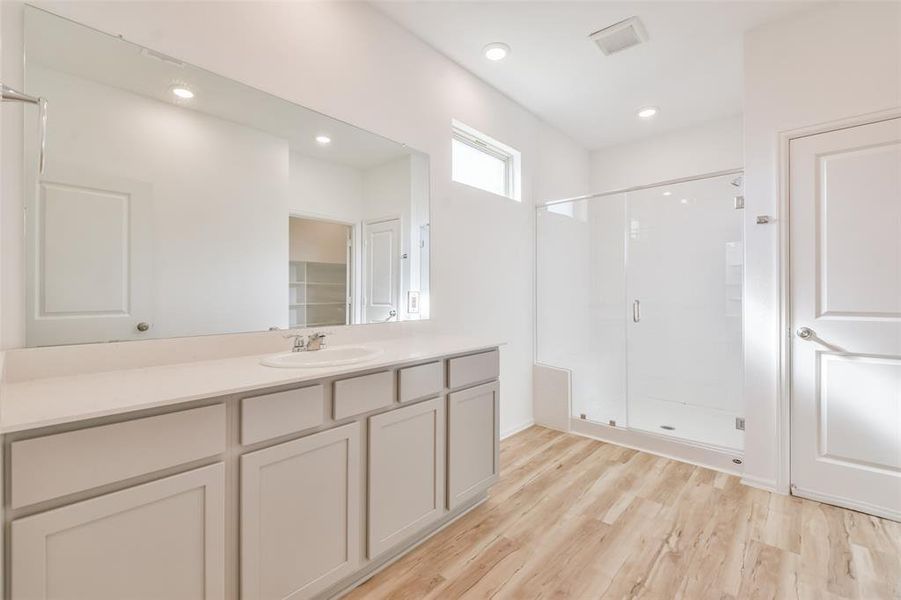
[667,193]
[684,200]
[182,92]
[496,51]
[323,139]
[647,112]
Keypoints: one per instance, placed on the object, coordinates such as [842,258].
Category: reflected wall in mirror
[177,202]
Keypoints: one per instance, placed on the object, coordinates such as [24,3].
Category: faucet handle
[319,336]
[300,341]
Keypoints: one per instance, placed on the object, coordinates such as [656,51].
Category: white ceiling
[691,67]
[66,46]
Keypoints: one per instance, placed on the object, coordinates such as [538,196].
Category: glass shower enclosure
[639,297]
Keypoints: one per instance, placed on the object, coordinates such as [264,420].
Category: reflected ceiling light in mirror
[181,92]
[647,112]
[496,51]
[323,140]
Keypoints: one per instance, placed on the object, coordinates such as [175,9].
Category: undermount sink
[327,357]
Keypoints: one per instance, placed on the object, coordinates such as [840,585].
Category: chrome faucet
[300,341]
[316,341]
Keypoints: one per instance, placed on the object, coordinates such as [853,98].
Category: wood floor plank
[577,518]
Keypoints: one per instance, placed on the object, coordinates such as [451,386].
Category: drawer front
[421,381]
[55,465]
[362,394]
[475,368]
[282,413]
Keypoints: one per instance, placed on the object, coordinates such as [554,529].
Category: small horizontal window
[482,162]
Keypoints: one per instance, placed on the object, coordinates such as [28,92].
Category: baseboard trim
[516,429]
[701,456]
[870,509]
[762,483]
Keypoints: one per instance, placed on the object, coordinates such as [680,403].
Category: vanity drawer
[282,413]
[420,381]
[359,395]
[475,368]
[55,465]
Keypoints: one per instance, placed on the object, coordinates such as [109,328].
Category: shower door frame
[688,451]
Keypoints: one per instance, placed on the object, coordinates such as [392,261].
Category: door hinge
[740,423]
[739,202]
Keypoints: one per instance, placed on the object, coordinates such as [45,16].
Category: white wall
[705,148]
[828,64]
[324,189]
[215,233]
[348,60]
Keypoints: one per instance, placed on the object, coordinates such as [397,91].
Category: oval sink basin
[327,357]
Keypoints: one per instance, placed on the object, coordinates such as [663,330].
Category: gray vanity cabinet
[406,473]
[164,539]
[287,492]
[473,434]
[300,515]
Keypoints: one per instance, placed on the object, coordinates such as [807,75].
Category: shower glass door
[684,265]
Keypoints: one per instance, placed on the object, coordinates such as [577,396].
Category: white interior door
[88,246]
[845,199]
[381,260]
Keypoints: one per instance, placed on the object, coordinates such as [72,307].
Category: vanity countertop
[58,400]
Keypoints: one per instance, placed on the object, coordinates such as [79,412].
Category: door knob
[143,326]
[805,333]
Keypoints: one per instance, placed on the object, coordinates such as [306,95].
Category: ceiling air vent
[620,36]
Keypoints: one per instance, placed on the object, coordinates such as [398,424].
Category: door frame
[783,422]
[401,301]
[356,257]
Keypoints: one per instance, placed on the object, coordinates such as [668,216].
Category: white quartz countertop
[57,400]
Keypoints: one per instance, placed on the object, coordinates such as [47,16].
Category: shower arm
[9,94]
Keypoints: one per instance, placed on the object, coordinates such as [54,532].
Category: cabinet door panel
[164,539]
[406,472]
[473,431]
[300,507]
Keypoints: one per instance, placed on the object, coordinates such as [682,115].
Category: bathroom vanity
[249,482]
[141,466]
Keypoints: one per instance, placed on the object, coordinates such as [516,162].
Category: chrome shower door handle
[42,133]
[636,311]
[8,94]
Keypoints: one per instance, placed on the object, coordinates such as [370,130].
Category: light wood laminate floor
[577,518]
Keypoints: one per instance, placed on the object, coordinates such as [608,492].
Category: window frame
[509,156]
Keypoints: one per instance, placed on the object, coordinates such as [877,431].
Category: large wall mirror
[177,202]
